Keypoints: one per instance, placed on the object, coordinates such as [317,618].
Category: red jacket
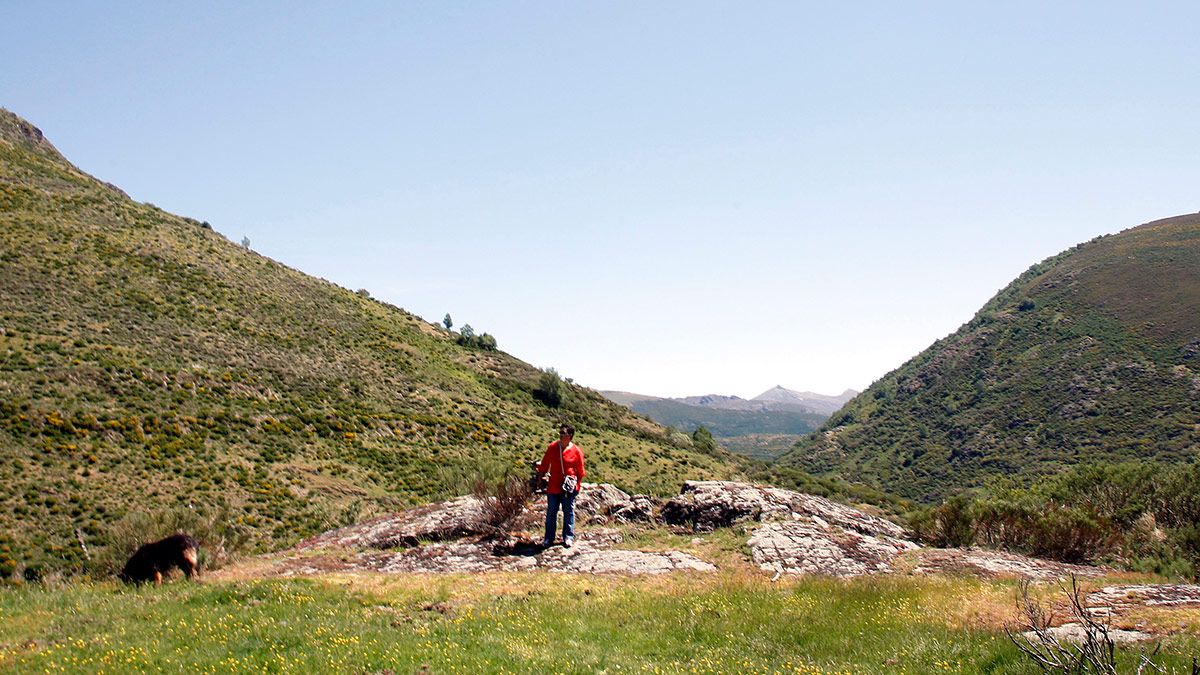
[572,463]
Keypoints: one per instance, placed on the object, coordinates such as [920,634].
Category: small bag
[570,484]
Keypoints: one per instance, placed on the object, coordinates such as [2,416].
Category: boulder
[604,502]
[809,545]
[640,508]
[432,522]
[706,505]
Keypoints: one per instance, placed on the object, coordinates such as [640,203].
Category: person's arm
[575,467]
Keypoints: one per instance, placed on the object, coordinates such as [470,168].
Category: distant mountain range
[775,411]
[1090,356]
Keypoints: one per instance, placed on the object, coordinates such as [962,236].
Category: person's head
[566,432]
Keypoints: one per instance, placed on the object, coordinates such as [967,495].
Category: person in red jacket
[564,462]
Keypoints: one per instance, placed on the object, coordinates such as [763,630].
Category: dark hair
[567,429]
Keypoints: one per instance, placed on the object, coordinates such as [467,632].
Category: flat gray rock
[593,553]
[989,563]
[811,546]
[1162,595]
[1075,633]
[707,505]
[432,522]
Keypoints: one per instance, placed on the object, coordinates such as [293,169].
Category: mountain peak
[19,132]
[821,403]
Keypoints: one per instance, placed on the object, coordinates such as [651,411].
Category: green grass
[513,623]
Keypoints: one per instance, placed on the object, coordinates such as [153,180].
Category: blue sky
[667,198]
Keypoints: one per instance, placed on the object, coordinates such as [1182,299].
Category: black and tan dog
[151,560]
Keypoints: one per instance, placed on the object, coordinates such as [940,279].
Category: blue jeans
[567,500]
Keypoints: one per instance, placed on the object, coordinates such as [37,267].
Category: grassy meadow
[541,622]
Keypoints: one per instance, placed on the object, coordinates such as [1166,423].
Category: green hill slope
[1091,355]
[146,364]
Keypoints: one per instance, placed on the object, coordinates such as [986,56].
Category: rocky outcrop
[433,522]
[988,563]
[604,502]
[1161,595]
[797,534]
[593,553]
[811,546]
[707,505]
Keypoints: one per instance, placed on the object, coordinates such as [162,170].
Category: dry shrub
[1094,652]
[501,504]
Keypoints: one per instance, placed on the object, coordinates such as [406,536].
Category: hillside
[147,364]
[1091,355]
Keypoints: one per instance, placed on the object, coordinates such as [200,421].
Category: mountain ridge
[776,398]
[759,428]
[1090,355]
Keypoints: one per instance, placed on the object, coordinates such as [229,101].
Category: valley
[157,377]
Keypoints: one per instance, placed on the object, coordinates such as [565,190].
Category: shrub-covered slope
[148,364]
[1092,355]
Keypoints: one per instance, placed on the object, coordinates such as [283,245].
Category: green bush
[550,388]
[1140,516]
[949,524]
[702,440]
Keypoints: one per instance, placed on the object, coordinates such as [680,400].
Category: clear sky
[670,198]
